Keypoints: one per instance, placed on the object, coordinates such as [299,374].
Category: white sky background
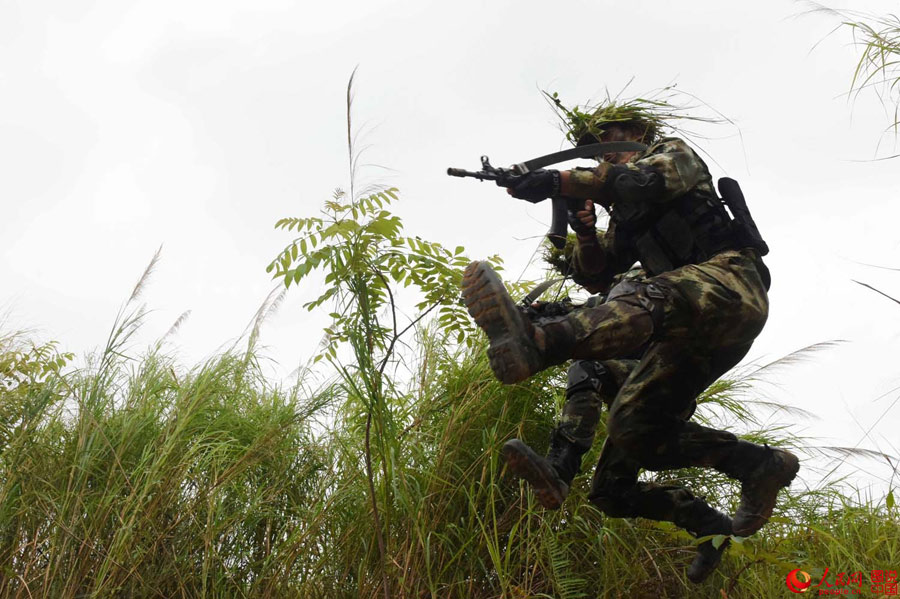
[196,125]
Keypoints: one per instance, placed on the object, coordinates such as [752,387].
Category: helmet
[585,124]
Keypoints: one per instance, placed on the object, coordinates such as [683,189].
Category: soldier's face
[619,134]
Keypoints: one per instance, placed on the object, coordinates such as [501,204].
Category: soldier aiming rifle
[656,343]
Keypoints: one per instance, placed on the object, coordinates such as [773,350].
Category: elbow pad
[640,184]
[636,193]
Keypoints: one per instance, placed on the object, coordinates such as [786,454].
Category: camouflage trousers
[687,327]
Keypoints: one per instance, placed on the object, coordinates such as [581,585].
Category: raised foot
[522,461]
[760,490]
[512,353]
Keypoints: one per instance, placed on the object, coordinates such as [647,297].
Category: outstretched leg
[702,318]
[519,349]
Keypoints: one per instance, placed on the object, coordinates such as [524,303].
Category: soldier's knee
[612,506]
[651,297]
[585,375]
[642,435]
[626,429]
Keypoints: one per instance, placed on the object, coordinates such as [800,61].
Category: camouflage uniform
[692,318]
[581,410]
[704,319]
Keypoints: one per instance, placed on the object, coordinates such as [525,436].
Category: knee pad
[585,375]
[648,295]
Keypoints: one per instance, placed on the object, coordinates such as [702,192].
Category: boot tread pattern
[512,353]
[524,463]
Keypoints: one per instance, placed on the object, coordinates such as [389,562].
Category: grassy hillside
[141,478]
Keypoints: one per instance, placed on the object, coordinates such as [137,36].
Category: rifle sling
[588,151]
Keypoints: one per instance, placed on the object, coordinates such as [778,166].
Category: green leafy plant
[23,362]
[360,246]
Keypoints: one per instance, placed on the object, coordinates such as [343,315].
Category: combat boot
[763,471]
[548,477]
[518,348]
[708,557]
[760,487]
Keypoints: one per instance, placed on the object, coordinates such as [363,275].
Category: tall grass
[877,70]
[129,479]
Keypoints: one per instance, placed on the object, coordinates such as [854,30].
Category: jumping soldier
[692,318]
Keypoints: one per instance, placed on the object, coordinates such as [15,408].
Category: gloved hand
[584,221]
[536,186]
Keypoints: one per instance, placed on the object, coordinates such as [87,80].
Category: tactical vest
[688,230]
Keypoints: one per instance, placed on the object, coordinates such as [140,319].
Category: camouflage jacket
[665,172]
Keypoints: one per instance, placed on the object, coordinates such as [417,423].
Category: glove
[536,186]
[580,228]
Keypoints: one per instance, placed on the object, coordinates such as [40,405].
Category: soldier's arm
[668,170]
[597,259]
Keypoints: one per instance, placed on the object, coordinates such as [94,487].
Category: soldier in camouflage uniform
[652,348]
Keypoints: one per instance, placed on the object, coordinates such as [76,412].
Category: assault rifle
[508,177]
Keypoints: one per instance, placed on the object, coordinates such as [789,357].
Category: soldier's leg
[649,416]
[701,318]
[519,348]
[647,420]
[618,493]
[590,384]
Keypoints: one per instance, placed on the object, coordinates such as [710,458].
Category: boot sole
[512,353]
[549,491]
[747,524]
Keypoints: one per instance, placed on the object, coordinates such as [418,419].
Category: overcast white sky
[125,125]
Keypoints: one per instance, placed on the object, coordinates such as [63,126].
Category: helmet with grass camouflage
[647,118]
[590,129]
[586,124]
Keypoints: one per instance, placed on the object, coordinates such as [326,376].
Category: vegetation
[878,69]
[136,477]
[133,478]
[653,115]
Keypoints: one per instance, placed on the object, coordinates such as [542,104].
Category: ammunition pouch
[689,230]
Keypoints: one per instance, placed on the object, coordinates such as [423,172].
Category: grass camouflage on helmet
[652,117]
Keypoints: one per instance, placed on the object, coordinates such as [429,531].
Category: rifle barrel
[482,175]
